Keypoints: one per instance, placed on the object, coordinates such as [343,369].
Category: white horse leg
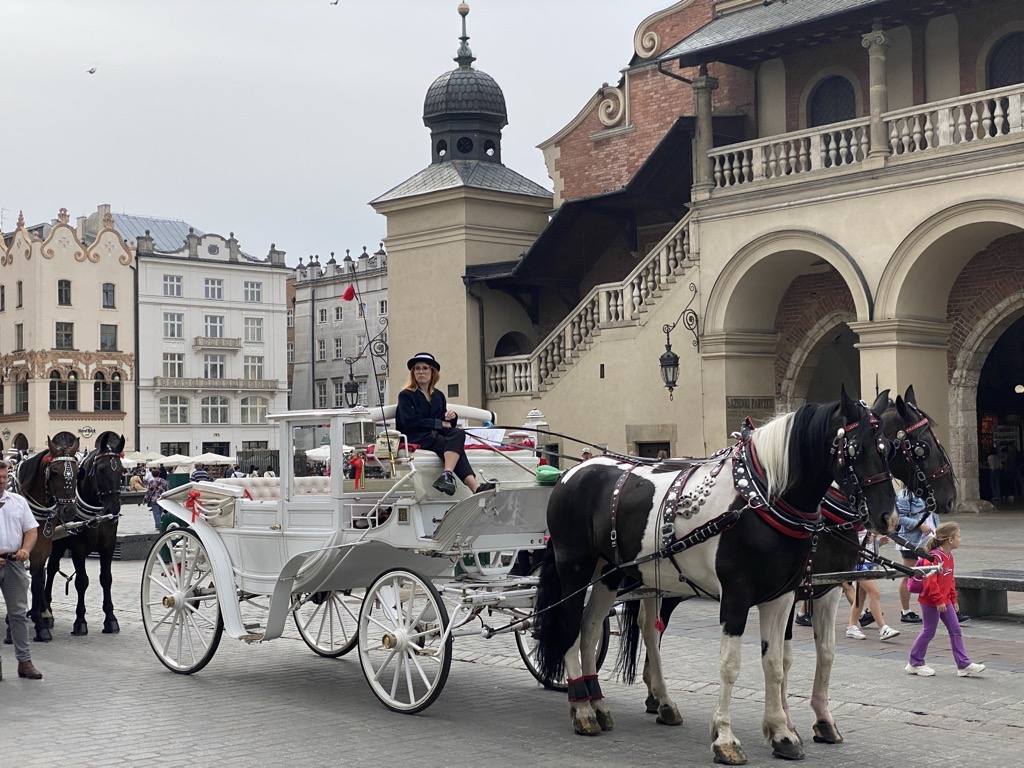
[668,713]
[726,747]
[774,616]
[787,664]
[598,607]
[824,622]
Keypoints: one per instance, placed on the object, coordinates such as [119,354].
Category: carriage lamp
[669,360]
[351,388]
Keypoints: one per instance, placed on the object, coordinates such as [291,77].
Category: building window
[214,410]
[362,393]
[339,394]
[322,314]
[213,326]
[382,307]
[174,365]
[253,367]
[213,288]
[3,298]
[361,341]
[63,392]
[253,291]
[21,294]
[174,325]
[833,101]
[108,338]
[321,394]
[108,296]
[64,293]
[172,285]
[254,410]
[213,366]
[290,352]
[65,336]
[169,449]
[338,314]
[321,349]
[254,445]
[21,394]
[1006,63]
[253,328]
[2,398]
[19,337]
[106,393]
[173,410]
[289,317]
[338,354]
[362,309]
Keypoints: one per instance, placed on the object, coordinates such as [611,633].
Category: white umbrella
[212,458]
[171,461]
[143,458]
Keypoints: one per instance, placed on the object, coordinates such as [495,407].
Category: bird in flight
[91,70]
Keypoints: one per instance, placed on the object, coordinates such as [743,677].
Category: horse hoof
[827,733]
[669,715]
[43,635]
[586,726]
[80,629]
[604,719]
[787,749]
[729,754]
[111,627]
[652,705]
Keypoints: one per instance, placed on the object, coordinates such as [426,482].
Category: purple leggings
[929,623]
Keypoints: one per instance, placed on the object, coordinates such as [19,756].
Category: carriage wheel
[328,622]
[527,646]
[180,611]
[400,628]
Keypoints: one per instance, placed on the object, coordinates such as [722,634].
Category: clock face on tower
[465,145]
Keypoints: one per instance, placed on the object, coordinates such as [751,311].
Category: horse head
[861,461]
[60,475]
[918,456]
[99,478]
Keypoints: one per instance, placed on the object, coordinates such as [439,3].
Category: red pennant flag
[349,294]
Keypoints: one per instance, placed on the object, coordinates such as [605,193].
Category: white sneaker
[855,633]
[887,633]
[970,669]
[922,671]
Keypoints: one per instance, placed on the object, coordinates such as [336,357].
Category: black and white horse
[736,526]
[99,507]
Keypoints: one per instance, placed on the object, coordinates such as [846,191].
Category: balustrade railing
[604,306]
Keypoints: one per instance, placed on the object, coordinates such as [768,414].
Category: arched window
[833,101]
[21,394]
[63,392]
[214,410]
[1006,62]
[174,409]
[106,393]
[254,410]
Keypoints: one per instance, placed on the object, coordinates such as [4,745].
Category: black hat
[424,357]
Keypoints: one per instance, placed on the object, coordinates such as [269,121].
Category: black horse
[47,481]
[737,526]
[99,507]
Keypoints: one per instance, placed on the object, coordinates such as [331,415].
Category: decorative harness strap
[916,451]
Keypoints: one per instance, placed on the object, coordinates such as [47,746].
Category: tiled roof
[465,173]
[464,91]
[759,20]
[168,234]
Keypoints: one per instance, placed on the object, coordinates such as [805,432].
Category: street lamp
[351,388]
[669,360]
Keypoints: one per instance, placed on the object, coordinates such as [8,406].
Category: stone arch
[963,388]
[985,50]
[746,294]
[794,382]
[513,343]
[819,77]
[918,278]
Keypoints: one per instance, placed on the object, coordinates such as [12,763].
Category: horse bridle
[69,473]
[92,511]
[916,452]
[846,449]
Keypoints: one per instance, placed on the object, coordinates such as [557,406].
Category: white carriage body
[279,537]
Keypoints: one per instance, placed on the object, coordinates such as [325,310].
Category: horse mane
[29,468]
[790,443]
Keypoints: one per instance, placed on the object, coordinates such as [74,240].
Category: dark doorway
[1001,412]
[838,365]
[221,449]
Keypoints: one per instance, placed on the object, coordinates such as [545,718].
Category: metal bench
[982,593]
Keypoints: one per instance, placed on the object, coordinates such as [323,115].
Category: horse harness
[92,515]
[45,512]
[916,451]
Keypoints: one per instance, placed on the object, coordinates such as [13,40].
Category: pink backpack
[915,585]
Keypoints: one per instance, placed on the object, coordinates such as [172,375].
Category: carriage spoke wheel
[328,622]
[400,627]
[527,646]
[180,611]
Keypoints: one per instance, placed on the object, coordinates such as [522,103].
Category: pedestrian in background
[157,486]
[17,537]
[916,527]
[938,601]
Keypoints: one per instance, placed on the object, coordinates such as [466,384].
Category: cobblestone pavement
[106,699]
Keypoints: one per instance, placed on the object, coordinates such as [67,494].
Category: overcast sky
[275,119]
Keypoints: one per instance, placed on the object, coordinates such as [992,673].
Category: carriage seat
[269,488]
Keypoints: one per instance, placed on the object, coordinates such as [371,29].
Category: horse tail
[629,642]
[557,626]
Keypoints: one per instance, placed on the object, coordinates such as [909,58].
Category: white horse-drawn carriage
[394,567]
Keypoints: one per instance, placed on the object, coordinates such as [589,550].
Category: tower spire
[464,57]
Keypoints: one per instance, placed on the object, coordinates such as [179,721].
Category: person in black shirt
[424,417]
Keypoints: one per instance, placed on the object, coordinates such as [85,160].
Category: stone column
[703,141]
[877,42]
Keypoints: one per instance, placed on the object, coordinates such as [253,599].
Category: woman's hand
[450,416]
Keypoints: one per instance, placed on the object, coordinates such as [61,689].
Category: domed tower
[465,110]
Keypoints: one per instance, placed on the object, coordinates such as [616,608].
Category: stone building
[804,194]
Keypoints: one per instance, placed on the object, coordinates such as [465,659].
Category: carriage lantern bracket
[669,360]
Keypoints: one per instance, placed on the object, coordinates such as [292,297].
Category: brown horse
[47,481]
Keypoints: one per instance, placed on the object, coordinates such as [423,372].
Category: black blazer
[418,419]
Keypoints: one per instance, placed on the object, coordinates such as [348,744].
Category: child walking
[938,601]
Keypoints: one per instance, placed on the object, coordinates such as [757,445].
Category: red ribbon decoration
[357,464]
[190,504]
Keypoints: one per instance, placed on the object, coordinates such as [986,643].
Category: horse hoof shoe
[651,705]
[729,754]
[787,750]
[669,715]
[44,636]
[587,727]
[604,719]
[827,733]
